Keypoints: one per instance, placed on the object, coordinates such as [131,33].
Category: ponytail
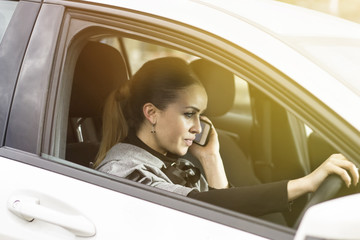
[115,127]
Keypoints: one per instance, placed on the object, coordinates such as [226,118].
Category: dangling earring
[153,129]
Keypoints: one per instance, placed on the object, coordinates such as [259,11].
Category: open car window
[111,61]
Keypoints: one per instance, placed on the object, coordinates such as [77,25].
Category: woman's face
[177,125]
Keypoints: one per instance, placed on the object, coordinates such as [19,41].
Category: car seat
[99,70]
[220,87]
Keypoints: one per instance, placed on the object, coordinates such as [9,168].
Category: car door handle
[29,208]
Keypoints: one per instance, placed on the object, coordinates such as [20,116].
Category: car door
[44,196]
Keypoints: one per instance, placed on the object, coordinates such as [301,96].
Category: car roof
[308,37]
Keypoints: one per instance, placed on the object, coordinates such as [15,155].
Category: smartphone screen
[203,137]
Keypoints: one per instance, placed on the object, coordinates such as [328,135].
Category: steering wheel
[327,190]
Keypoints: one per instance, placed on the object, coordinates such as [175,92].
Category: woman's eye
[189,115]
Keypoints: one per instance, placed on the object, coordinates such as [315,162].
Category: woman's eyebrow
[195,108]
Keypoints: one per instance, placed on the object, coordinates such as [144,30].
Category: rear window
[7,9]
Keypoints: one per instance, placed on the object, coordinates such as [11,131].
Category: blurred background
[348,9]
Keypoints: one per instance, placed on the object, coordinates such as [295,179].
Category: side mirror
[336,219]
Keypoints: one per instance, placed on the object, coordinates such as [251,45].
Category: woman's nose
[197,127]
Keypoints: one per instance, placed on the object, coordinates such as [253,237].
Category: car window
[237,121]
[98,56]
[7,9]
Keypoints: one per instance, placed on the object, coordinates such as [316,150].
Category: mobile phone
[203,137]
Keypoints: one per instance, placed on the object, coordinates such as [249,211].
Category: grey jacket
[132,162]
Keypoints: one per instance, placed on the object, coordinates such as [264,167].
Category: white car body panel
[135,217]
[335,219]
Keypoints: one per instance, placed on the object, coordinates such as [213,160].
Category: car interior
[257,142]
[99,70]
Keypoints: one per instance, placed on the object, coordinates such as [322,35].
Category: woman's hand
[210,159]
[335,164]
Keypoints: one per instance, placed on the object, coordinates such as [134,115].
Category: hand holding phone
[203,137]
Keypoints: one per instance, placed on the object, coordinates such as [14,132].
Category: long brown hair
[158,82]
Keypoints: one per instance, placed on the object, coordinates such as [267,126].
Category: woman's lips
[189,142]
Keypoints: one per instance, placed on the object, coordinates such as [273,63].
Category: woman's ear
[150,112]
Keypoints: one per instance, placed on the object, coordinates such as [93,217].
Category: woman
[152,121]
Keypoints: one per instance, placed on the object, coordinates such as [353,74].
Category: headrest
[219,85]
[99,70]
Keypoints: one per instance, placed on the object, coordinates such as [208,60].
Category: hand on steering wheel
[335,164]
[325,187]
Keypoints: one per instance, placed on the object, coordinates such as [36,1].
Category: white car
[292,99]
